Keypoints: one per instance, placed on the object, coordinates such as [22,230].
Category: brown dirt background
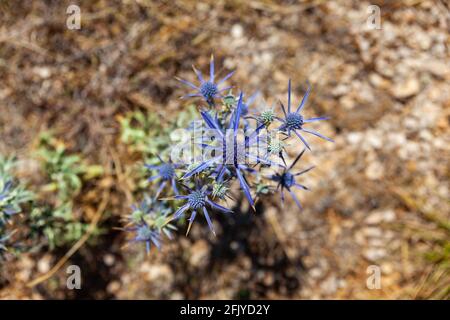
[380,192]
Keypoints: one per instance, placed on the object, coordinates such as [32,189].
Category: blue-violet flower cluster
[238,148]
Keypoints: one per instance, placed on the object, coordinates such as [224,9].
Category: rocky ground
[380,193]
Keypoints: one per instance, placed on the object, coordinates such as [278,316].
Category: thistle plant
[149,221]
[165,174]
[234,142]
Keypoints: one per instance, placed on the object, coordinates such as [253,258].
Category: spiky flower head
[166,171]
[275,146]
[233,156]
[165,174]
[266,117]
[148,235]
[12,197]
[294,122]
[209,90]
[12,194]
[220,190]
[149,219]
[287,180]
[197,199]
[8,206]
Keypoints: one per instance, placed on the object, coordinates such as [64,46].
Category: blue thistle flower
[197,201]
[165,173]
[286,180]
[228,150]
[234,162]
[145,234]
[149,219]
[208,89]
[9,202]
[293,121]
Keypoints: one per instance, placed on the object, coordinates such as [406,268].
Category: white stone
[42,72]
[374,254]
[381,216]
[406,88]
[374,170]
[354,137]
[237,31]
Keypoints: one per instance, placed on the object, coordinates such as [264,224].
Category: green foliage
[262,188]
[6,165]
[146,134]
[66,173]
[64,170]
[58,225]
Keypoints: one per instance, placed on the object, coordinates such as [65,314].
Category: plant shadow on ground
[269,268]
[96,274]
